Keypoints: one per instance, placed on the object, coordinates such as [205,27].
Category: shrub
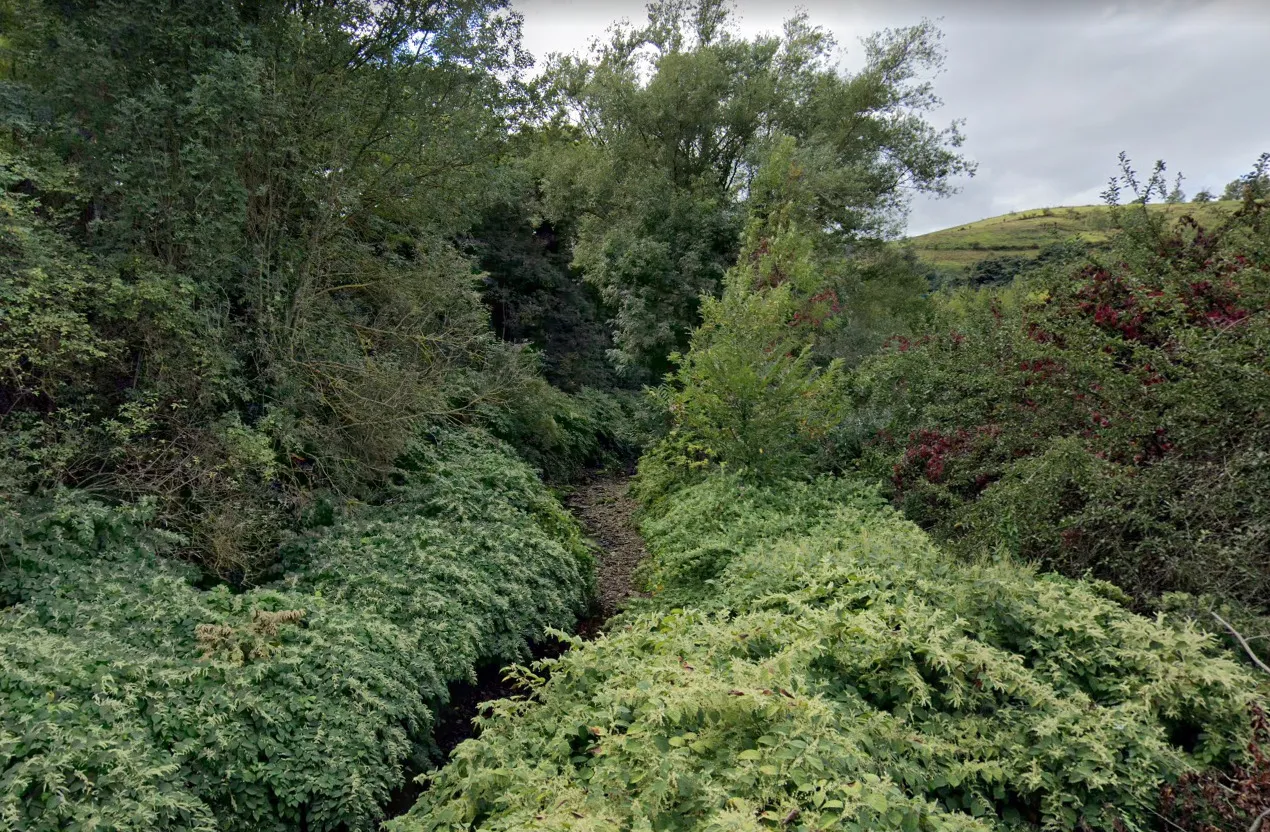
[1212,801]
[820,664]
[749,391]
[134,700]
[1109,418]
[562,434]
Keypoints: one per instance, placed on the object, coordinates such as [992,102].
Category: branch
[1243,642]
[1256,824]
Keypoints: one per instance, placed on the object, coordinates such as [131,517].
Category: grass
[1024,233]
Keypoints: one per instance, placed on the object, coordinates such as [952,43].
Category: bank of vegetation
[308,306]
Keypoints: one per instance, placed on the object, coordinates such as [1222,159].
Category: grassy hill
[1024,233]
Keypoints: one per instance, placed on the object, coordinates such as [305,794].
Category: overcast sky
[1050,91]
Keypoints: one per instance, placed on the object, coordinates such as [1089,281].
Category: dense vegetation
[811,660]
[815,663]
[134,698]
[662,127]
[1106,415]
[302,301]
[231,275]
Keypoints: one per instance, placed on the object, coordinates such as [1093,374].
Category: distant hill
[1024,233]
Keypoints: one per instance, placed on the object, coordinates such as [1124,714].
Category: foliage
[883,293]
[663,126]
[1216,800]
[1213,801]
[748,389]
[1108,417]
[231,229]
[563,434]
[1254,185]
[133,699]
[998,270]
[814,662]
[534,294]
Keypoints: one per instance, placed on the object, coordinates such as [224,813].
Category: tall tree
[669,121]
[266,193]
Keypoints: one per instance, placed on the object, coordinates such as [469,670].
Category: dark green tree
[257,204]
[1256,185]
[666,124]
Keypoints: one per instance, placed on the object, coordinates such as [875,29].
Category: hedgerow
[822,665]
[1108,417]
[132,699]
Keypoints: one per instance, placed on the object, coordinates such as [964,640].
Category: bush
[749,391]
[1212,801]
[563,434]
[134,700]
[1109,418]
[820,664]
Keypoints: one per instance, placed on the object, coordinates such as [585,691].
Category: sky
[1051,91]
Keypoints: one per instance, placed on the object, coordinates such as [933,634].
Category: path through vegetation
[606,510]
[603,505]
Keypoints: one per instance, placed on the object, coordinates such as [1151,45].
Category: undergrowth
[820,664]
[131,699]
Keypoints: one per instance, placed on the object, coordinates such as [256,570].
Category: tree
[1254,185]
[667,124]
[748,389]
[534,294]
[269,194]
[1204,195]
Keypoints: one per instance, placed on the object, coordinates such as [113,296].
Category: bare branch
[1243,642]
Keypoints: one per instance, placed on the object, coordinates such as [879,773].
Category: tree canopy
[666,124]
[250,212]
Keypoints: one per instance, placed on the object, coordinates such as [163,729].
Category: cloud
[1050,92]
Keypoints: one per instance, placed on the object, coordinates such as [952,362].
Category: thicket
[562,435]
[244,243]
[811,660]
[1106,417]
[231,272]
[534,293]
[760,388]
[132,697]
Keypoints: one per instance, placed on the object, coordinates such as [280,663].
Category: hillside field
[1025,233]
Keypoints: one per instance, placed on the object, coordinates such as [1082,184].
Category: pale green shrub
[131,699]
[822,665]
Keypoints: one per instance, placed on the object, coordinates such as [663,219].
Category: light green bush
[822,665]
[131,699]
